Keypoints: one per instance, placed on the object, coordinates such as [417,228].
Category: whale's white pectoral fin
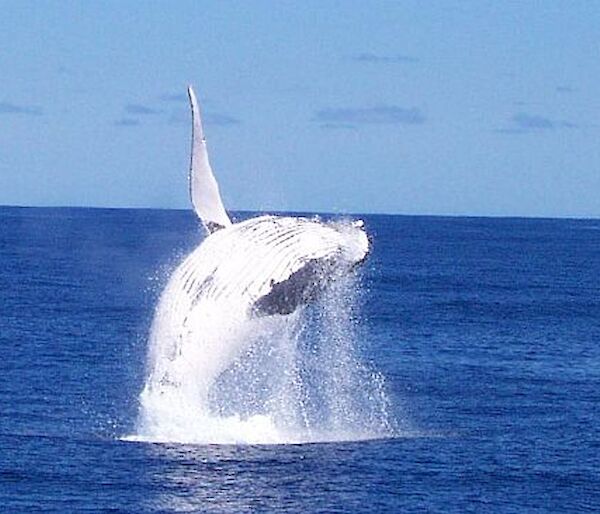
[204,190]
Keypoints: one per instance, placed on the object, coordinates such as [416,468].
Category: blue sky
[477,108]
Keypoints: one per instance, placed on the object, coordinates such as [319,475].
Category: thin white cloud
[127,122]
[524,123]
[139,109]
[566,89]
[378,115]
[25,110]
[173,97]
[371,58]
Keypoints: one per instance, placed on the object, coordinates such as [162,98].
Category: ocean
[486,333]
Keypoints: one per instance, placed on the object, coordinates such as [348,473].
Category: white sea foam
[231,378]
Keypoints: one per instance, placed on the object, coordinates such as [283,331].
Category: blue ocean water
[487,331]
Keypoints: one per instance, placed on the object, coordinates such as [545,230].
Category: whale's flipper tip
[192,98]
[204,190]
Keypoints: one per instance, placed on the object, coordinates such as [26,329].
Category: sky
[439,107]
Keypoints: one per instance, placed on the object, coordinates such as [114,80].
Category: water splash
[232,378]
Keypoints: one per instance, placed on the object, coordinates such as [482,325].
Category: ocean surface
[487,332]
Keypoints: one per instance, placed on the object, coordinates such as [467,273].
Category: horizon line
[324,213]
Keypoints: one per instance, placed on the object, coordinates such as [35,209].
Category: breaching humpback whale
[264,266]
